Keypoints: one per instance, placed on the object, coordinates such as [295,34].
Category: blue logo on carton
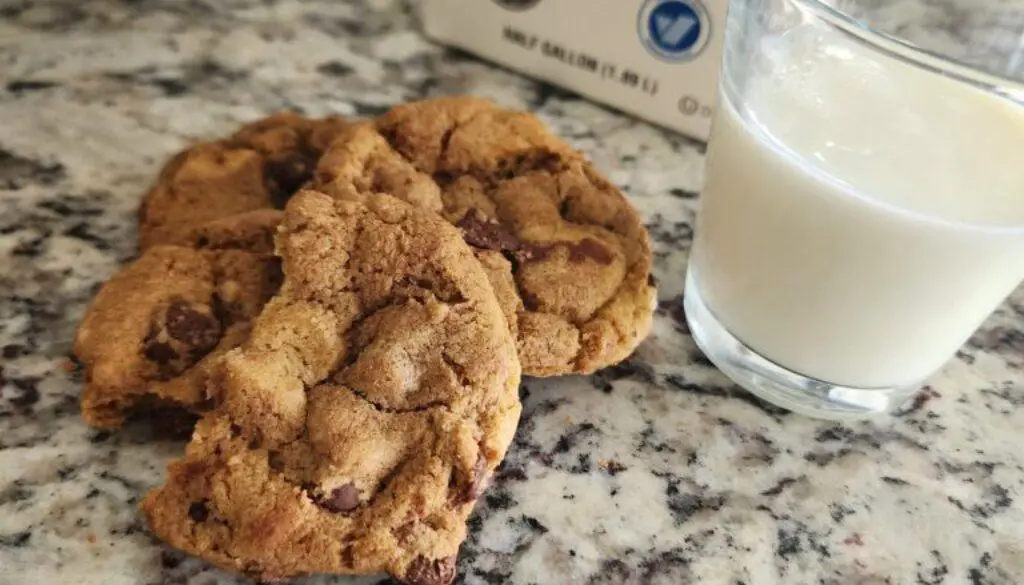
[674,30]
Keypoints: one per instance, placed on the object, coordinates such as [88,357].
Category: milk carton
[657,59]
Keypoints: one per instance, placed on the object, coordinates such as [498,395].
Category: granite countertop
[658,471]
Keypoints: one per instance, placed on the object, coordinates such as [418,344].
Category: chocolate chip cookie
[149,337]
[566,252]
[258,167]
[360,421]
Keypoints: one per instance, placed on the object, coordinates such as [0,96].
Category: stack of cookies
[348,307]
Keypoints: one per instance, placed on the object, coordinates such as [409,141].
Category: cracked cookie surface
[567,254]
[148,339]
[360,421]
[258,167]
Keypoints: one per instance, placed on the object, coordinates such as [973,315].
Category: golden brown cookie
[149,337]
[567,254]
[359,423]
[258,167]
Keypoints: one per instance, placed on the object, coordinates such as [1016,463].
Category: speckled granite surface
[655,472]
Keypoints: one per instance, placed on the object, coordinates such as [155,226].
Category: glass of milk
[863,210]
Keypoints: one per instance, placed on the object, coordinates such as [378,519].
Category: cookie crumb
[611,466]
[341,499]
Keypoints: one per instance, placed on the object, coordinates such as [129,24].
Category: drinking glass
[863,211]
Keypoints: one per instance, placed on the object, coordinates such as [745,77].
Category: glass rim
[916,55]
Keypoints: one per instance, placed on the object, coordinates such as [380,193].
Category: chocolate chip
[196,329]
[159,352]
[589,248]
[481,232]
[530,252]
[423,571]
[651,280]
[276,462]
[341,499]
[284,176]
[584,249]
[198,511]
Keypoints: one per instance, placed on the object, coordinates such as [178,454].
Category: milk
[861,217]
